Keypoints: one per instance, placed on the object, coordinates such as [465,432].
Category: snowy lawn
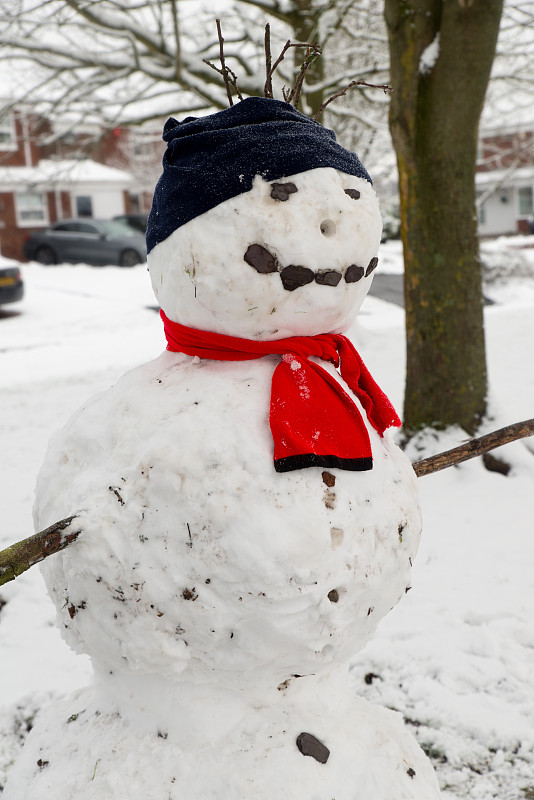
[456,657]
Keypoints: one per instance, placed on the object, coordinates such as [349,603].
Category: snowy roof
[68,171]
[505,176]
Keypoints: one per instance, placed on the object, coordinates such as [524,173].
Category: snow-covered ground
[456,657]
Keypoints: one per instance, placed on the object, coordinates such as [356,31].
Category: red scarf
[314,422]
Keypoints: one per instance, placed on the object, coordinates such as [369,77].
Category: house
[505,180]
[46,175]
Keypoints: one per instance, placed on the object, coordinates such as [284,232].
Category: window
[135,203]
[76,228]
[85,227]
[145,146]
[66,227]
[84,206]
[31,209]
[481,210]
[7,131]
[525,201]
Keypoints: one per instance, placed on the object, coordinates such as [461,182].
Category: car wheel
[129,258]
[45,255]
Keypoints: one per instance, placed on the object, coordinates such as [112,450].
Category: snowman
[247,518]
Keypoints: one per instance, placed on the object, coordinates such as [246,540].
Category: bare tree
[120,60]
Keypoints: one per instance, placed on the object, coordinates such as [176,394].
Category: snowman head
[262,226]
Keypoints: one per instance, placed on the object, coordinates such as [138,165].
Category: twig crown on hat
[214,158]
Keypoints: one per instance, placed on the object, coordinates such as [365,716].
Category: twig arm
[19,557]
[473,448]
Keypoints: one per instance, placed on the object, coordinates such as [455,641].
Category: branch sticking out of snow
[19,557]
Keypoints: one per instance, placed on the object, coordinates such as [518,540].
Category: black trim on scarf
[290,463]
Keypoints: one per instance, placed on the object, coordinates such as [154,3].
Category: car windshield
[114,228]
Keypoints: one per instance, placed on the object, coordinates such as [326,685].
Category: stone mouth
[295,275]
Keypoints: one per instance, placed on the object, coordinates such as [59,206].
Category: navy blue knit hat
[211,159]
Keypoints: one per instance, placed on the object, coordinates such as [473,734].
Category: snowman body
[219,600]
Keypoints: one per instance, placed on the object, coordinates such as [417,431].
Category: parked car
[137,221]
[88,241]
[11,284]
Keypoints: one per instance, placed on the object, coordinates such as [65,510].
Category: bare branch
[314,51]
[121,23]
[21,556]
[344,91]
[268,89]
[474,447]
[229,78]
[279,59]
[224,68]
[289,94]
[176,39]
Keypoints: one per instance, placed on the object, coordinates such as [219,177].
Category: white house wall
[500,214]
[107,202]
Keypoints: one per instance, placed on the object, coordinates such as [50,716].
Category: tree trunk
[434,125]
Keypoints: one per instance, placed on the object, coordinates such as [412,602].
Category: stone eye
[354,193]
[281,191]
[261,259]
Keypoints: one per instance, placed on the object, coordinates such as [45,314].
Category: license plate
[8,281]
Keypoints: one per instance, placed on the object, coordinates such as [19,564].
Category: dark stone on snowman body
[309,745]
[370,677]
[354,274]
[327,277]
[281,191]
[328,478]
[295,276]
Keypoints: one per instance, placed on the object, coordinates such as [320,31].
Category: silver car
[87,241]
